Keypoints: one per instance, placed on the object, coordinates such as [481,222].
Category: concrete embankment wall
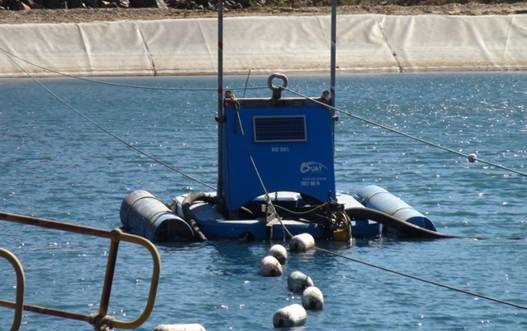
[371,43]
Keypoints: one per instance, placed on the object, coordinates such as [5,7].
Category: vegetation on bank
[229,4]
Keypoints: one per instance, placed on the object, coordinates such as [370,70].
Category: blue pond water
[55,165]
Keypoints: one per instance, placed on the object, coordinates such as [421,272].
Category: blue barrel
[145,215]
[376,197]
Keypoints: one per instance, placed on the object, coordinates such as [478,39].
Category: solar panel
[268,129]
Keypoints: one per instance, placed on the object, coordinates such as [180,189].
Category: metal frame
[220,105]
[101,317]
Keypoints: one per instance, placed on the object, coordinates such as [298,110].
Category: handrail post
[110,271]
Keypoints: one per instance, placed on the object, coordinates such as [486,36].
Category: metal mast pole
[220,114]
[333,65]
[333,50]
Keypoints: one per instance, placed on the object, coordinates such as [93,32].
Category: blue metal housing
[291,143]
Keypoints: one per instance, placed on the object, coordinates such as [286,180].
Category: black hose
[188,215]
[406,229]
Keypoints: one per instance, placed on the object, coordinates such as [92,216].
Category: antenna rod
[219,193]
[333,50]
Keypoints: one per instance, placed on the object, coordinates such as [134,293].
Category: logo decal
[311,167]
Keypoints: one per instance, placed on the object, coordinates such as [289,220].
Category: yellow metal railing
[20,280]
[100,319]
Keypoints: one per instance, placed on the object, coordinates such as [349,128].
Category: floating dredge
[276,178]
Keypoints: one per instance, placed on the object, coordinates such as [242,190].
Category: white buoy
[279,252]
[312,298]
[270,267]
[298,281]
[289,316]
[180,327]
[301,242]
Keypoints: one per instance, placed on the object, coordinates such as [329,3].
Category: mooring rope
[108,132]
[416,278]
[122,85]
[423,280]
[246,83]
[470,157]
[420,279]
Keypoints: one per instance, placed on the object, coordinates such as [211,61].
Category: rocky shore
[37,11]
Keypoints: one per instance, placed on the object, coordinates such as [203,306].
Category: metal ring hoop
[273,87]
